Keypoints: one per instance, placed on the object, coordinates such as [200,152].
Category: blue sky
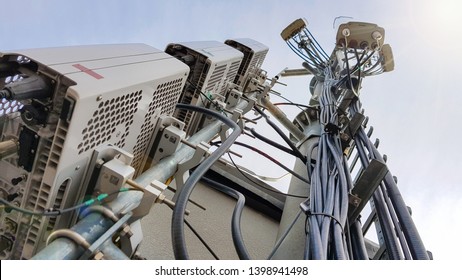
[414,109]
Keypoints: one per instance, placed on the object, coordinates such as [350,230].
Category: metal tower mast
[335,141]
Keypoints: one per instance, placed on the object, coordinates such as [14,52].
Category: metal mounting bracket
[183,167]
[365,187]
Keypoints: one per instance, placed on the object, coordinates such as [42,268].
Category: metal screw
[99,98]
[344,136]
[98,256]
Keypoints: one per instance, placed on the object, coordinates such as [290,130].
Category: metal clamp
[93,249]
[106,212]
[183,167]
[76,238]
[69,234]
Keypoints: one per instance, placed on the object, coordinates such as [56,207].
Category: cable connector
[31,87]
[305,206]
[331,128]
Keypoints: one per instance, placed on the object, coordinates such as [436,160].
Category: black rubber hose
[236,232]
[178,237]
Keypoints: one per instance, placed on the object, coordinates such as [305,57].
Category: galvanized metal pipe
[94,225]
[7,148]
[293,246]
[282,118]
[112,252]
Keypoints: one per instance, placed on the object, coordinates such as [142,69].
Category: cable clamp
[73,236]
[331,128]
[305,206]
[183,167]
[57,212]
[108,213]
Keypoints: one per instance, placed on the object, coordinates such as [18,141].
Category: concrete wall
[213,224]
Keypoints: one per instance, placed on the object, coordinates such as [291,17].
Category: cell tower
[93,136]
[336,141]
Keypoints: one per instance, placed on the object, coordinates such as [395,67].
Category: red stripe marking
[88,71]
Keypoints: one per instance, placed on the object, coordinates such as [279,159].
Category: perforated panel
[110,113]
[165,98]
[216,77]
[232,72]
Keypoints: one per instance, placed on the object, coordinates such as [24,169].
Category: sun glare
[439,22]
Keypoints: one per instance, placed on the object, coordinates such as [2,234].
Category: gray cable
[236,218]
[178,237]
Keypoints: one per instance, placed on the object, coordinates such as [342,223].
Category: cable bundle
[330,183]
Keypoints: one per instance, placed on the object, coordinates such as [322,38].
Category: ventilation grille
[188,97]
[38,174]
[58,144]
[165,98]
[250,63]
[245,63]
[232,72]
[257,60]
[37,223]
[58,204]
[107,117]
[40,197]
[215,78]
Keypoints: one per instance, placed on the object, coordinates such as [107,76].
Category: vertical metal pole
[293,246]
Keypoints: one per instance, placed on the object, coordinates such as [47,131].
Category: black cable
[283,136]
[56,212]
[215,104]
[178,238]
[271,142]
[309,155]
[358,59]
[298,176]
[8,205]
[259,185]
[319,45]
[296,104]
[201,239]
[284,235]
[306,251]
[356,68]
[348,69]
[309,213]
[300,106]
[236,218]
